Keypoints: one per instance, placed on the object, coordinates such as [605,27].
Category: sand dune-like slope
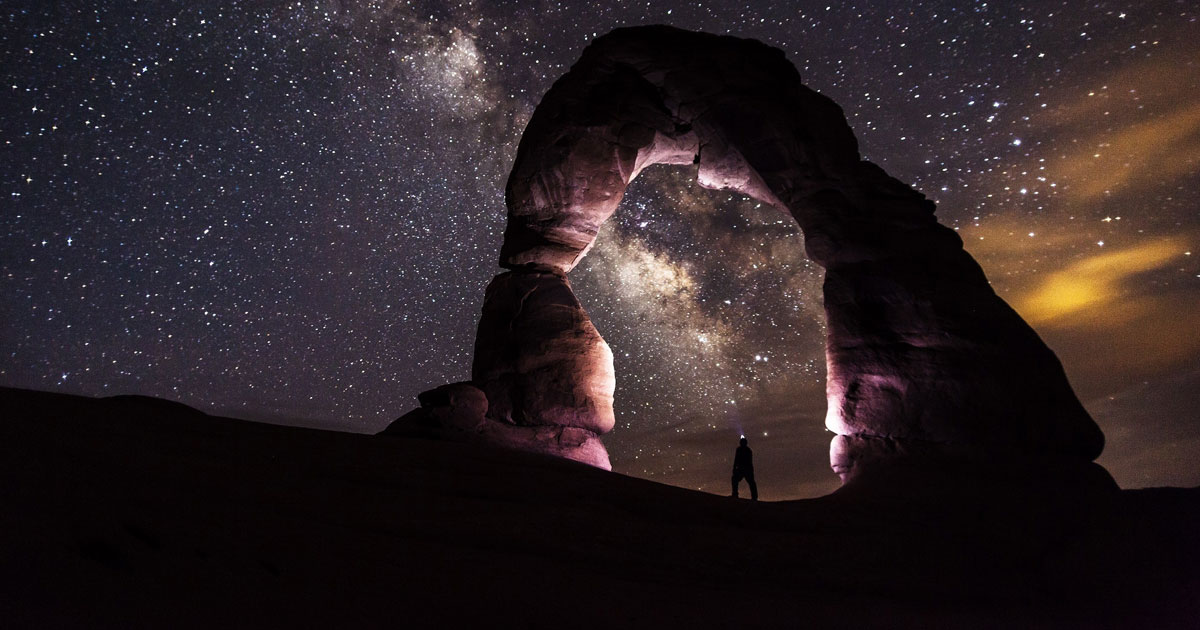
[136,512]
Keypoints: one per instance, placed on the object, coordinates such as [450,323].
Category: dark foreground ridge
[136,512]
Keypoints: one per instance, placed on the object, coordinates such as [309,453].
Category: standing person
[743,468]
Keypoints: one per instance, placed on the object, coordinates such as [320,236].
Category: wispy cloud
[1138,129]
[1099,283]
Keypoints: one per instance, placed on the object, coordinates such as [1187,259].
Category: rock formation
[923,358]
[458,412]
[538,357]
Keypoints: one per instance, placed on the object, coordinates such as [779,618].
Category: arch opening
[713,313]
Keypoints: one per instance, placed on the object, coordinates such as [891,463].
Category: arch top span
[922,356]
[735,108]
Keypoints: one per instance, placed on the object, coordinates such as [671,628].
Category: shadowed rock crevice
[919,348]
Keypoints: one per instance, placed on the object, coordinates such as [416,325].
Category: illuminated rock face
[922,355]
[538,357]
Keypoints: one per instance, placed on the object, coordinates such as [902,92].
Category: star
[292,212]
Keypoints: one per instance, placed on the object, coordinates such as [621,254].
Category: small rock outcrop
[457,408]
[922,356]
[458,412]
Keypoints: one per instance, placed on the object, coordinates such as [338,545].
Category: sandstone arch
[922,356]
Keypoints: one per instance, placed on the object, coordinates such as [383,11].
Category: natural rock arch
[923,357]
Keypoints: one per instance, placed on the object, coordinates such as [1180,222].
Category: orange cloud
[1139,128]
[1140,155]
[1098,283]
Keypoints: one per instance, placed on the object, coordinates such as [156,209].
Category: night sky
[288,211]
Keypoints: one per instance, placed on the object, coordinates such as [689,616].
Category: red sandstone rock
[457,408]
[457,413]
[572,443]
[538,357]
[920,348]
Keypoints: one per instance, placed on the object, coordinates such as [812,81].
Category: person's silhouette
[743,468]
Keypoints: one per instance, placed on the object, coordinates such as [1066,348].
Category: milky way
[289,211]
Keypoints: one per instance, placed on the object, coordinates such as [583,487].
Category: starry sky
[288,211]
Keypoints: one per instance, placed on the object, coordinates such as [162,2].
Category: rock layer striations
[923,358]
